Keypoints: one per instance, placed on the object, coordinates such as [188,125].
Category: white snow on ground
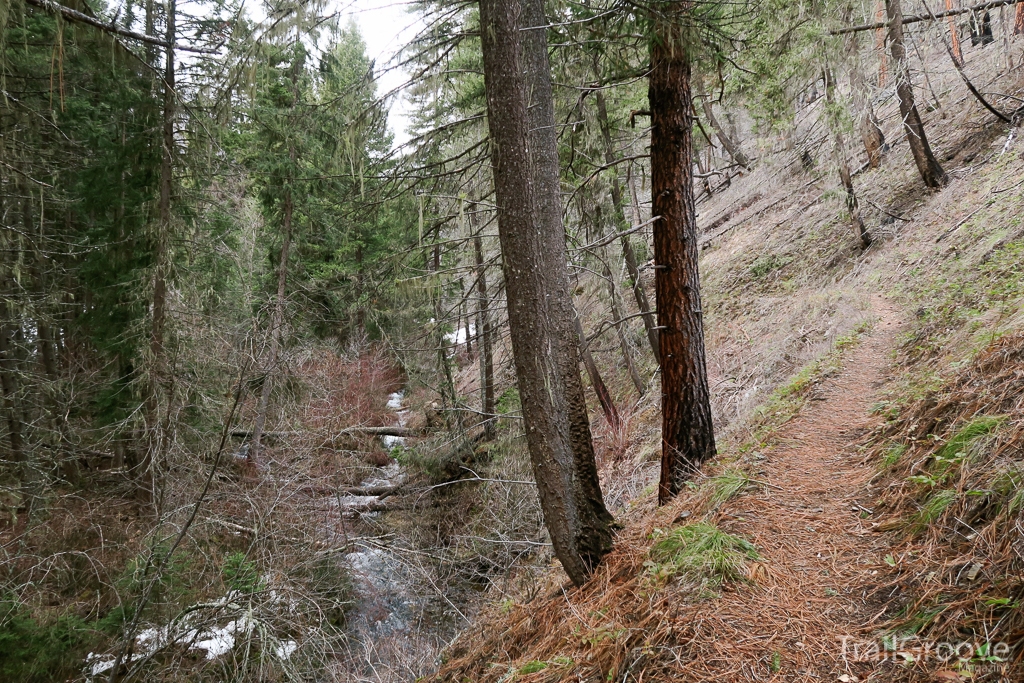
[285,649]
[459,336]
[220,641]
[216,641]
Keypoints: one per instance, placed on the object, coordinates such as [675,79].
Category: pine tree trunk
[483,326]
[156,441]
[954,35]
[929,168]
[687,430]
[276,324]
[537,287]
[870,132]
[628,254]
[8,384]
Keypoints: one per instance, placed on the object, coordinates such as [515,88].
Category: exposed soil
[822,564]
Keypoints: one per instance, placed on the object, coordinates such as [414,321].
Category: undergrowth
[701,555]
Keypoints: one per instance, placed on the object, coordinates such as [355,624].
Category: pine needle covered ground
[866,521]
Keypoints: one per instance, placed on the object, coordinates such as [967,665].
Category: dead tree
[730,145]
[687,431]
[537,284]
[928,166]
[604,397]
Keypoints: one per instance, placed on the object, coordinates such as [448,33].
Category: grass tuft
[932,508]
[700,554]
[960,442]
[726,485]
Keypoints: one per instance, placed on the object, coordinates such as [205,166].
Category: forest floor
[820,561]
[808,601]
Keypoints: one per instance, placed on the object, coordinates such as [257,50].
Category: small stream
[395,603]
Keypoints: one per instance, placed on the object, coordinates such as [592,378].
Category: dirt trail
[821,563]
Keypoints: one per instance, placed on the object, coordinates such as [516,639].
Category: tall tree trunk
[1018,20]
[156,441]
[628,254]
[880,46]
[9,385]
[839,148]
[483,326]
[360,308]
[954,35]
[929,168]
[276,325]
[537,289]
[687,431]
[730,145]
[627,357]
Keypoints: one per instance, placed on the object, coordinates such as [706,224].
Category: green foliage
[173,578]
[956,448]
[241,574]
[892,454]
[699,554]
[765,264]
[50,648]
[931,509]
[508,403]
[727,485]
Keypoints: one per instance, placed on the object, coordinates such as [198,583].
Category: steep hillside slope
[876,536]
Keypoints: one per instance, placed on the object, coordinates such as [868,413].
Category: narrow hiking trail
[821,575]
[819,578]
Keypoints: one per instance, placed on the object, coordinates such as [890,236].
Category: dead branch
[925,17]
[81,17]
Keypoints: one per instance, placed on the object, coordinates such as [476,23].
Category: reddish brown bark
[687,430]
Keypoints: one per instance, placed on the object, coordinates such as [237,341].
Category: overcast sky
[386,25]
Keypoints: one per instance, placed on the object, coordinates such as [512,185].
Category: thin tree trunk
[730,145]
[870,132]
[483,326]
[8,383]
[617,315]
[604,397]
[276,324]
[954,35]
[156,438]
[537,287]
[929,168]
[839,147]
[687,431]
[628,254]
[880,45]
[469,337]
[1018,20]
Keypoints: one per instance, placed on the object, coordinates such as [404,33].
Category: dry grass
[954,487]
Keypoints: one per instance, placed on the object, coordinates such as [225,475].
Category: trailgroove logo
[911,649]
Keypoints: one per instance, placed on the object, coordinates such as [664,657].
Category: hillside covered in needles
[558,341]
